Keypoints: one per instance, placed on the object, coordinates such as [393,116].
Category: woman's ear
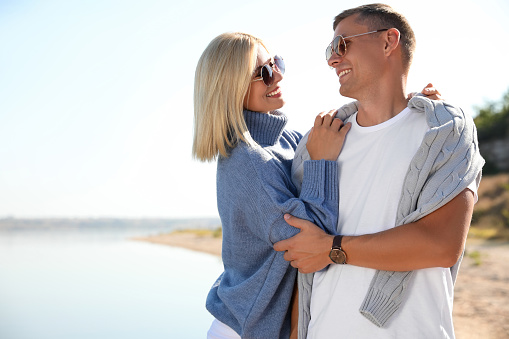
[392,38]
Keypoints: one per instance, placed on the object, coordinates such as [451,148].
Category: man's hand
[309,250]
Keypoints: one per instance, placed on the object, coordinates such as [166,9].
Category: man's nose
[334,59]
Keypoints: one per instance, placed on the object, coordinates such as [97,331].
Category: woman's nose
[278,76]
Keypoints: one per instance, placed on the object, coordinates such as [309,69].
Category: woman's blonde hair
[222,79]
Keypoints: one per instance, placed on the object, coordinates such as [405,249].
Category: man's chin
[345,92]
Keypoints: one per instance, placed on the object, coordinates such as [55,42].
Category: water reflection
[100,285]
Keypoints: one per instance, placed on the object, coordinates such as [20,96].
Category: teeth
[274,93]
[346,71]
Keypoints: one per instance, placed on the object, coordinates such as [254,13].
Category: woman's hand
[326,138]
[430,92]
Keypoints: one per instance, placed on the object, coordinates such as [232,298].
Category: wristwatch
[337,255]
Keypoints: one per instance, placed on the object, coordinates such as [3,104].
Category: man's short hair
[379,16]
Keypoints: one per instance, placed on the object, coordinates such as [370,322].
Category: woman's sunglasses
[338,45]
[277,64]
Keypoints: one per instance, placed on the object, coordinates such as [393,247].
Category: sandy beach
[481,301]
[189,240]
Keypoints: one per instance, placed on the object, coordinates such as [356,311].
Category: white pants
[218,330]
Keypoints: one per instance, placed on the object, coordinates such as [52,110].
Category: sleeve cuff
[385,295]
[320,179]
[378,308]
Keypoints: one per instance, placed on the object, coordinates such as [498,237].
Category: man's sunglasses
[338,45]
[277,64]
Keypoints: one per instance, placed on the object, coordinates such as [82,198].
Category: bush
[492,121]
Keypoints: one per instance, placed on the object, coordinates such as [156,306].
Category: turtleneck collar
[265,128]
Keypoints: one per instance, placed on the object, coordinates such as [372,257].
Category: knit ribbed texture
[265,128]
[447,161]
[305,285]
[384,296]
[320,179]
[254,190]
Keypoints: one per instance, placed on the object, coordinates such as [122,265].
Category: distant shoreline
[151,225]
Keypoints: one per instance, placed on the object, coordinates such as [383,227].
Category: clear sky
[96,104]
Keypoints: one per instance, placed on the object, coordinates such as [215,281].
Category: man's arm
[436,240]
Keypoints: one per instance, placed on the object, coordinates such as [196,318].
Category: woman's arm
[258,182]
[262,192]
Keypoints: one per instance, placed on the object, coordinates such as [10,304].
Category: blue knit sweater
[254,191]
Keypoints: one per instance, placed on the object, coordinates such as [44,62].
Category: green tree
[492,121]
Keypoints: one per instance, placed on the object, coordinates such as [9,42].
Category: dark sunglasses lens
[339,45]
[280,64]
[268,80]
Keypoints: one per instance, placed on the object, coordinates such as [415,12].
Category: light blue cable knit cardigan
[447,161]
[254,190]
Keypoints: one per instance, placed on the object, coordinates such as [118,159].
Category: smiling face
[259,97]
[362,66]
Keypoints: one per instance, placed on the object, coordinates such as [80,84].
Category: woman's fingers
[431,92]
[327,136]
[328,119]
[337,124]
[325,118]
[344,130]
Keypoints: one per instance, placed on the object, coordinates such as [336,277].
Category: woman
[237,122]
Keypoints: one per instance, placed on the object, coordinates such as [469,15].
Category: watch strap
[336,243]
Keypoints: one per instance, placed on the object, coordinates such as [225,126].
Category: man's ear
[392,39]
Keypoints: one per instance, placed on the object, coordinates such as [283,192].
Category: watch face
[338,256]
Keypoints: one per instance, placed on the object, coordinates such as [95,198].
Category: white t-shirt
[372,168]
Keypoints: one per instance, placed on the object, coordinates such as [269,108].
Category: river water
[94,285]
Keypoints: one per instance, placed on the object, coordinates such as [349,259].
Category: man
[414,165]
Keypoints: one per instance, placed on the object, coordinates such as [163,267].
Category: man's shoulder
[438,112]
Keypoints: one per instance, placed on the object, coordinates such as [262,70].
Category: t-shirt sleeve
[474,185]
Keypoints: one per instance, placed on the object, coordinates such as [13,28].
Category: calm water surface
[101,285]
